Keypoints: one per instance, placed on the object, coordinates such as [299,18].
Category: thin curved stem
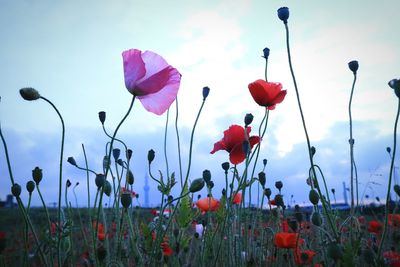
[165,143]
[178,141]
[351,143]
[60,176]
[390,182]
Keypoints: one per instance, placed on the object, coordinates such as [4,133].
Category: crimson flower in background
[375,227]
[237,199]
[392,257]
[207,204]
[287,240]
[304,257]
[267,94]
[149,77]
[233,143]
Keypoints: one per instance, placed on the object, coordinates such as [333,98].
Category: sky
[70,51]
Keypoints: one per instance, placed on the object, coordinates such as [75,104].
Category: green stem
[390,183]
[60,177]
[351,143]
[178,141]
[165,143]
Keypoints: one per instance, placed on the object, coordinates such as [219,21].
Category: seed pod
[102,117]
[207,176]
[71,161]
[279,185]
[29,93]
[248,119]
[37,175]
[267,192]
[99,181]
[225,166]
[16,190]
[261,178]
[151,155]
[206,91]
[30,186]
[196,185]
[126,199]
[316,219]
[116,152]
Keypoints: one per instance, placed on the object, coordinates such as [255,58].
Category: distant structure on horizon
[146,189]
[345,194]
[9,203]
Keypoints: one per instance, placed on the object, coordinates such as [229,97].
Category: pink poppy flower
[151,79]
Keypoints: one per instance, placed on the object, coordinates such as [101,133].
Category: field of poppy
[186,229]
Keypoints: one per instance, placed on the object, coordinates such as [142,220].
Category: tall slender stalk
[351,143]
[178,141]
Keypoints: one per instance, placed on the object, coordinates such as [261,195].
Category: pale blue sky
[71,52]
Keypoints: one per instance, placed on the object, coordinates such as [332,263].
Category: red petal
[236,155]
[279,98]
[233,136]
[254,140]
[220,145]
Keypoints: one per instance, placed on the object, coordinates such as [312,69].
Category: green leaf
[185,215]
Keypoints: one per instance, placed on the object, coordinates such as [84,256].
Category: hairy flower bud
[267,192]
[16,190]
[130,178]
[206,91]
[116,152]
[129,154]
[261,178]
[68,183]
[196,185]
[265,161]
[266,52]
[71,161]
[388,150]
[248,119]
[316,219]
[313,150]
[207,176]
[313,197]
[37,175]
[126,199]
[279,200]
[395,85]
[99,181]
[278,185]
[225,166]
[30,186]
[107,188]
[29,93]
[151,155]
[102,117]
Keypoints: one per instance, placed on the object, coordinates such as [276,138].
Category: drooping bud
[207,176]
[120,162]
[206,91]
[388,150]
[395,85]
[130,178]
[116,152]
[16,190]
[37,175]
[29,93]
[126,199]
[265,161]
[99,181]
[30,186]
[267,192]
[102,117]
[129,154]
[261,178]
[283,14]
[248,119]
[313,150]
[353,66]
[196,185]
[225,166]
[151,155]
[68,183]
[210,184]
[333,190]
[313,197]
[316,219]
[71,161]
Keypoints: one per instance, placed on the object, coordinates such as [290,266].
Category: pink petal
[134,68]
[154,83]
[160,101]
[154,63]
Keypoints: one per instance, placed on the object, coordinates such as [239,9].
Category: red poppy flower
[237,199]
[392,257]
[207,204]
[149,77]
[287,240]
[375,227]
[167,250]
[304,257]
[233,143]
[267,94]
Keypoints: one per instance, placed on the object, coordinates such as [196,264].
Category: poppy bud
[71,161]
[333,190]
[267,192]
[206,91]
[388,150]
[126,199]
[313,197]
[16,190]
[335,251]
[116,152]
[196,185]
[30,186]
[129,177]
[353,66]
[394,84]
[151,155]
[120,162]
[246,148]
[279,200]
[266,52]
[68,183]
[261,178]
[29,93]
[107,188]
[265,161]
[210,184]
[396,189]
[278,185]
[102,117]
[248,119]
[312,150]
[223,192]
[37,175]
[316,219]
[129,154]
[225,166]
[283,14]
[99,181]
[207,176]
